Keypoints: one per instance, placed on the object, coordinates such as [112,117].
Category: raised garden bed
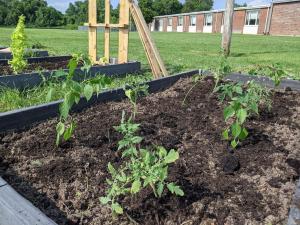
[66,182]
[48,65]
[6,54]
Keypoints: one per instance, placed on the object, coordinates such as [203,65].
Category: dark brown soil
[7,70]
[252,185]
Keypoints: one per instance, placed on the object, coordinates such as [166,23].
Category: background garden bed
[30,80]
[28,53]
[65,183]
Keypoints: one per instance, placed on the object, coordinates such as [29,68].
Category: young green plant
[73,91]
[141,168]
[242,103]
[18,45]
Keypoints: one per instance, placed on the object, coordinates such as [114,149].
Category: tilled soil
[33,67]
[256,188]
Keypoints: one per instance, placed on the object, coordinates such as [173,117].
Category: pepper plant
[18,45]
[243,102]
[73,91]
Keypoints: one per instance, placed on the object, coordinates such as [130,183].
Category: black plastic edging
[4,62]
[35,52]
[31,80]
[285,83]
[23,118]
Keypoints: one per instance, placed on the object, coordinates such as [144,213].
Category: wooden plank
[16,210]
[107,25]
[123,32]
[152,62]
[2,182]
[107,30]
[93,30]
[155,61]
[151,42]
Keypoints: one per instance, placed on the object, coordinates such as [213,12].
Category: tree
[236,5]
[77,12]
[49,17]
[147,10]
[167,7]
[12,9]
[197,5]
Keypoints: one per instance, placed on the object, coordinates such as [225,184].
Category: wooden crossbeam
[107,25]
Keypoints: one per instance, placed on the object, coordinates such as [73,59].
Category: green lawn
[180,50]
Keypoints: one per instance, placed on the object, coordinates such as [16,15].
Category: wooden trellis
[126,6]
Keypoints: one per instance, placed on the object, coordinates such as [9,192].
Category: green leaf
[69,131]
[236,129]
[50,94]
[241,115]
[225,134]
[234,144]
[174,189]
[117,208]
[171,187]
[104,200]
[88,92]
[178,191]
[111,169]
[136,186]
[244,133]
[228,112]
[162,152]
[171,157]
[160,188]
[60,128]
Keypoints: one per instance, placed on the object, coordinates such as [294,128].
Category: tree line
[39,14]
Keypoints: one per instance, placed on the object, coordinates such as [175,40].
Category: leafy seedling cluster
[141,168]
[275,71]
[243,102]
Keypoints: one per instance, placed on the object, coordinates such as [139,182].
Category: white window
[180,21]
[252,18]
[170,21]
[192,20]
[208,20]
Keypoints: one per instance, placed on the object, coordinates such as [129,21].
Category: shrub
[18,44]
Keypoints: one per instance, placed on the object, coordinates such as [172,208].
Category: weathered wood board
[16,210]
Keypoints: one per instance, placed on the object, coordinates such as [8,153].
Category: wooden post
[227,31]
[123,31]
[107,30]
[93,30]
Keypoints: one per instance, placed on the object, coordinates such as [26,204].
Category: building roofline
[284,1]
[221,10]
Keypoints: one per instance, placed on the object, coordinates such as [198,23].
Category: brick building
[281,17]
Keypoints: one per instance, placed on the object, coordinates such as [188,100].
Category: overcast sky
[62,5]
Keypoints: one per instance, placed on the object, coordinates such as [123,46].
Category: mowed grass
[180,51]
